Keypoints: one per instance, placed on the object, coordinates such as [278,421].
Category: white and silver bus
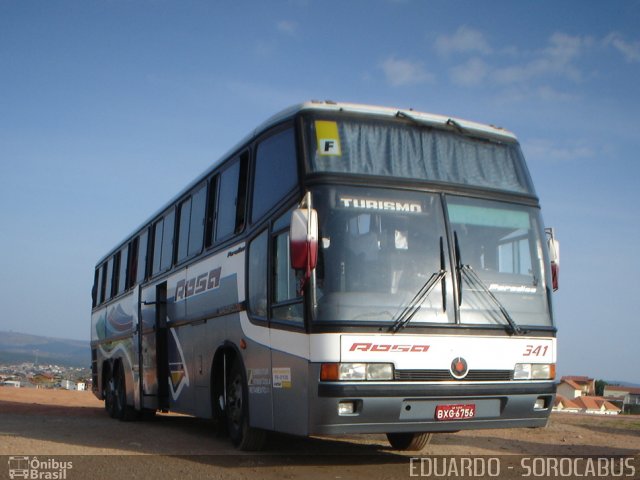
[344,269]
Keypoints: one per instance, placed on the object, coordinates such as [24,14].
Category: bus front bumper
[344,408]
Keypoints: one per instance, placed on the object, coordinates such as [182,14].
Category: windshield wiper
[476,282]
[411,309]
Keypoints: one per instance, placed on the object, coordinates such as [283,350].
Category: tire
[242,436]
[409,441]
[109,394]
[121,410]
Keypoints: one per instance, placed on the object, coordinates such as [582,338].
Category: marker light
[534,371]
[356,372]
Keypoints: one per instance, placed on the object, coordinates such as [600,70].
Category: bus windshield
[377,249]
[384,257]
[408,150]
[500,261]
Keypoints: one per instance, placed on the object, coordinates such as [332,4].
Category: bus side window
[109,280]
[166,258]
[123,263]
[191,224]
[196,223]
[132,263]
[275,171]
[211,211]
[141,269]
[103,283]
[157,246]
[227,196]
[94,290]
[184,212]
[257,294]
[231,200]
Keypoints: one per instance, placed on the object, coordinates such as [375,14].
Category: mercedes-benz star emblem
[459,368]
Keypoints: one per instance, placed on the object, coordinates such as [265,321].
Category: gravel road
[73,426]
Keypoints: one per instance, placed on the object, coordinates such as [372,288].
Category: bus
[345,269]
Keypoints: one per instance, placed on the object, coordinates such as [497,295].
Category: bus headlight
[350,372]
[534,371]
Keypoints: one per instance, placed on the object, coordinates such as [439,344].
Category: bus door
[153,347]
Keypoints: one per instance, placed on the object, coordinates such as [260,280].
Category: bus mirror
[303,238]
[553,246]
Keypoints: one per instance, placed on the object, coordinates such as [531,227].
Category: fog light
[346,408]
[540,404]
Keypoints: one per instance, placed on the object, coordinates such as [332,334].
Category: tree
[600,384]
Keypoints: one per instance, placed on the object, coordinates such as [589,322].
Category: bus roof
[429,119]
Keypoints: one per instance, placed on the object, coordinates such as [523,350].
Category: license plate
[455,412]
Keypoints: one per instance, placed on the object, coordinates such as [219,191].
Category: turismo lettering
[388,205]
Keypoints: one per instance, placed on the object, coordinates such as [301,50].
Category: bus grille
[442,375]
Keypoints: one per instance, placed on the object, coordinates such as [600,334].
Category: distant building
[11,383]
[563,404]
[586,385]
[585,404]
[68,385]
[627,397]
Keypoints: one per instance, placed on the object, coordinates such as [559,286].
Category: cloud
[549,151]
[556,59]
[471,73]
[399,72]
[287,27]
[464,40]
[522,73]
[630,51]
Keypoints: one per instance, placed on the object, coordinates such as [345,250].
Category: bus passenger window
[196,225]
[109,280]
[183,229]
[103,283]
[96,288]
[122,270]
[166,258]
[258,275]
[276,172]
[227,202]
[132,262]
[141,269]
[157,246]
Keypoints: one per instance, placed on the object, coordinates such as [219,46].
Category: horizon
[110,109]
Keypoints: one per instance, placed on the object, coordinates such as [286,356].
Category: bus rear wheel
[120,409]
[242,435]
[409,441]
[109,394]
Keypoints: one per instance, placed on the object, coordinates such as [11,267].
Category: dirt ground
[64,423]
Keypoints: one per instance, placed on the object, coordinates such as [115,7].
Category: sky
[109,108]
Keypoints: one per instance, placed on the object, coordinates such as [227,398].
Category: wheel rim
[120,393]
[234,402]
[109,395]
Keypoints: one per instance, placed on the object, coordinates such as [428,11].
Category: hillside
[20,347]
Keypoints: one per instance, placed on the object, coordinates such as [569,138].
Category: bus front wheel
[242,435]
[409,441]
